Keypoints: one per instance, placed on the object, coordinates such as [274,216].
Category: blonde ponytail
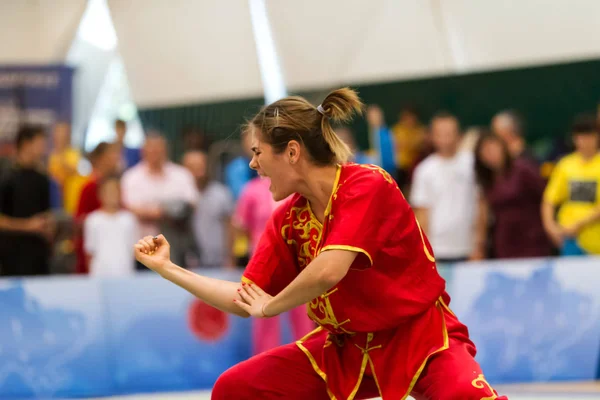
[339,106]
[294,118]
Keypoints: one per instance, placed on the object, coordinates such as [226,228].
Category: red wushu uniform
[386,324]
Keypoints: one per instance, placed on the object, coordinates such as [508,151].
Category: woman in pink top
[253,210]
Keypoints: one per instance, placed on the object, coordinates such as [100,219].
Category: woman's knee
[232,384]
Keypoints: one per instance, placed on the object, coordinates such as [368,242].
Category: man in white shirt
[444,193]
[162,195]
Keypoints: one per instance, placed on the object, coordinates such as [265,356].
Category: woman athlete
[345,243]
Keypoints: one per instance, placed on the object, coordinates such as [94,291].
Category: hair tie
[321,110]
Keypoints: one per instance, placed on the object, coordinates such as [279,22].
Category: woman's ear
[293,151]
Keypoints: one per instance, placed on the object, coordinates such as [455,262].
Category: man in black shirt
[25,194]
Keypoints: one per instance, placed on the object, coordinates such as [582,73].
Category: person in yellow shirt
[62,166]
[574,188]
[409,138]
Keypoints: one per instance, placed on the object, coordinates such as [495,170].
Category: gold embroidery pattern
[303,231]
[481,383]
[321,311]
[307,229]
[382,171]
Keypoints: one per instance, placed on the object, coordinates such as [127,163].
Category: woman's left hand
[253,300]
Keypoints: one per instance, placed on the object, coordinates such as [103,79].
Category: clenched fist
[154,252]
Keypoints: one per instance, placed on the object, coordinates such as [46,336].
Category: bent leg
[454,374]
[281,373]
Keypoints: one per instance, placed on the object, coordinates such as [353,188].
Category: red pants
[286,373]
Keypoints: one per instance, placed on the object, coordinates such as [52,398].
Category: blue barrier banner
[40,95]
[164,339]
[532,320]
[53,339]
[78,337]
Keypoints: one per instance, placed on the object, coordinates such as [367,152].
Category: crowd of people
[477,195]
[483,194]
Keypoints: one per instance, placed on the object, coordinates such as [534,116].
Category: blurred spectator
[33,225]
[574,189]
[513,190]
[426,150]
[560,147]
[358,156]
[194,139]
[56,195]
[105,162]
[253,210]
[238,172]
[509,126]
[7,162]
[444,192]
[109,233]
[471,138]
[62,166]
[409,135]
[129,156]
[211,221]
[162,195]
[381,139]
[7,154]
[25,193]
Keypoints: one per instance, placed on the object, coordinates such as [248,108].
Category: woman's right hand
[153,252]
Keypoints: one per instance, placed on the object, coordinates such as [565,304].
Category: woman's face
[491,154]
[277,167]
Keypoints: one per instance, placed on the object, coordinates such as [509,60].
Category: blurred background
[123,118]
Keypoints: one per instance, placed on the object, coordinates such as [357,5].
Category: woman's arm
[216,292]
[553,229]
[35,224]
[323,273]
[154,253]
[481,226]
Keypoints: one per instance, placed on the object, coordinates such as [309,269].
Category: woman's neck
[318,187]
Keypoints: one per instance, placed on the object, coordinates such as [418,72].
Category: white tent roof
[38,32]
[183,51]
[186,50]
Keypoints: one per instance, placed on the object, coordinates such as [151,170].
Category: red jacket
[389,313]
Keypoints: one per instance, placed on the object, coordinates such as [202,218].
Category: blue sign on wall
[40,95]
